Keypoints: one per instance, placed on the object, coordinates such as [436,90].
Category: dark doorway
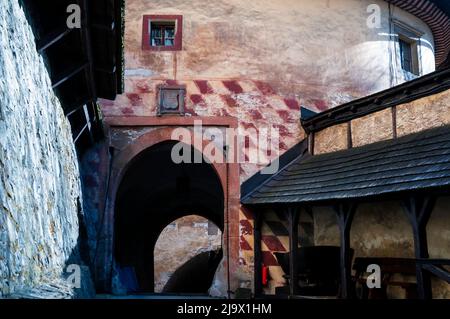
[153,193]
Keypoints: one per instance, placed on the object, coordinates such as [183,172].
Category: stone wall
[180,241]
[39,179]
[94,169]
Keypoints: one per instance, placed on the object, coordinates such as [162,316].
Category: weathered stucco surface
[438,236]
[228,67]
[180,241]
[259,61]
[331,139]
[419,115]
[39,181]
[275,238]
[382,230]
[438,230]
[428,112]
[372,128]
[239,40]
[326,230]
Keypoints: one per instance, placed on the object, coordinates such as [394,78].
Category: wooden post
[345,213]
[257,222]
[292,214]
[418,209]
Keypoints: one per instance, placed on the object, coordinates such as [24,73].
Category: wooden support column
[345,213]
[257,223]
[418,209]
[87,48]
[292,214]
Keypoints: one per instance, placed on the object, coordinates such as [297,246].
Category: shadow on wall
[196,275]
[181,242]
[80,258]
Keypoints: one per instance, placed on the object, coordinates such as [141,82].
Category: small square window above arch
[162,32]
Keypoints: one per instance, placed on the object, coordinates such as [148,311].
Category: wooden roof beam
[75,140]
[108,27]
[87,48]
[77,105]
[106,69]
[68,74]
[51,38]
[88,122]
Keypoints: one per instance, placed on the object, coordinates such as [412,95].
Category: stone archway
[153,192]
[227,174]
[186,256]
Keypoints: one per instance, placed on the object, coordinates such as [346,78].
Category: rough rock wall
[39,182]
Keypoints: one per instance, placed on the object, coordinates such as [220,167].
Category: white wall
[320,50]
[425,47]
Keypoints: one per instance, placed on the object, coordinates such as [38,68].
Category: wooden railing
[436,267]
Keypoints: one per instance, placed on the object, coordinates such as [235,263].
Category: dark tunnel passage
[153,193]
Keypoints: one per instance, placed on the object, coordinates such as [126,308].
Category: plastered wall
[418,115]
[382,229]
[259,61]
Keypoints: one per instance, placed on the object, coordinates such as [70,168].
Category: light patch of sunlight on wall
[181,240]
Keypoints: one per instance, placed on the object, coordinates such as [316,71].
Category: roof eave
[426,85]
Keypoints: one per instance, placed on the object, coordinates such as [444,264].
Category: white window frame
[414,37]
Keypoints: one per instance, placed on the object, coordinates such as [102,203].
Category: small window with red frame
[162,33]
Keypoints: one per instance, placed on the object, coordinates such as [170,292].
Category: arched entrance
[153,192]
[186,256]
